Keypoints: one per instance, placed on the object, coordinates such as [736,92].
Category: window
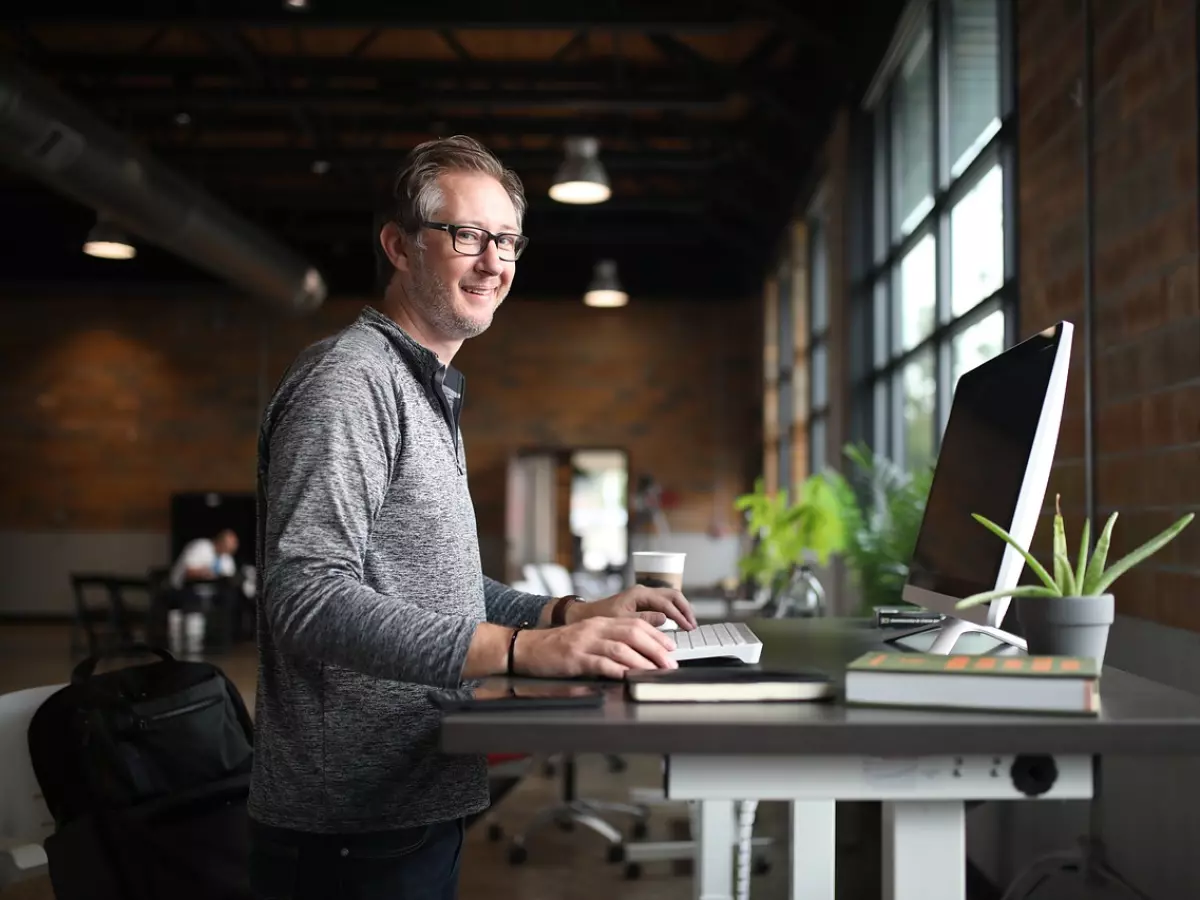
[788,382]
[937,290]
[818,343]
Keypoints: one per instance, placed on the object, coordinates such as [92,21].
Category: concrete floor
[561,865]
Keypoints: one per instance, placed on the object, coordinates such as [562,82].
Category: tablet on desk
[503,696]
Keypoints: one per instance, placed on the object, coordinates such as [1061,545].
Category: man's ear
[395,245]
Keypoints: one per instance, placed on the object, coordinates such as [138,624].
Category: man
[205,559]
[372,590]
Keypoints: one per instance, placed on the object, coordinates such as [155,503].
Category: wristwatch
[559,615]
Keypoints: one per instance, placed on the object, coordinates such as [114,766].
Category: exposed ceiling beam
[720,76]
[698,16]
[223,125]
[372,73]
[452,41]
[282,160]
[802,28]
[577,42]
[363,202]
[260,73]
[760,57]
[634,100]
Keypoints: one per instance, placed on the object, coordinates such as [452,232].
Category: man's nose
[490,260]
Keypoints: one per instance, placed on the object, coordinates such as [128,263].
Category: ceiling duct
[49,136]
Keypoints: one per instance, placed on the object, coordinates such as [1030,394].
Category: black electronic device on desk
[727,684]
[499,696]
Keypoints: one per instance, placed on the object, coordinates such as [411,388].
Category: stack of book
[1043,684]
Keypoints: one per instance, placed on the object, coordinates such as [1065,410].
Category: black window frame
[878,406]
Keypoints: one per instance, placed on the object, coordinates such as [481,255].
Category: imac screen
[985,450]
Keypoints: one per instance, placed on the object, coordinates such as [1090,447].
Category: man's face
[460,293]
[227,542]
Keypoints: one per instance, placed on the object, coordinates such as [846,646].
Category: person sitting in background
[203,562]
[205,559]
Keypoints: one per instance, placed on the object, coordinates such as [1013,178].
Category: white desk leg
[924,850]
[814,830]
[713,868]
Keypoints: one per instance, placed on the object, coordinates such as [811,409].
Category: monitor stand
[943,638]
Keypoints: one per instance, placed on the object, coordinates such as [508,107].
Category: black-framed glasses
[470,240]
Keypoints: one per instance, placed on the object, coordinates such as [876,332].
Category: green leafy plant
[1088,577]
[786,532]
[881,506]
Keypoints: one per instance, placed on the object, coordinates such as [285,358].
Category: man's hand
[596,646]
[651,604]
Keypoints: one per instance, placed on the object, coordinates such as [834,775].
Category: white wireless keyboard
[712,641]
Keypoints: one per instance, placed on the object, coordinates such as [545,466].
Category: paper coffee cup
[659,569]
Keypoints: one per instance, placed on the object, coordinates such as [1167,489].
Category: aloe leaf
[1095,567]
[1062,568]
[1147,549]
[1038,569]
[1066,586]
[1081,567]
[1027,590]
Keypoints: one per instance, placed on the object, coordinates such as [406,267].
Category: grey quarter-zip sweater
[371,588]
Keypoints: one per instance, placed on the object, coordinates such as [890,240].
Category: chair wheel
[565,825]
[616,853]
[761,865]
[633,871]
[517,854]
[494,832]
[616,765]
[640,830]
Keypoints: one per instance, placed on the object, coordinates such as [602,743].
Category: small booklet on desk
[726,684]
[1043,684]
[906,617]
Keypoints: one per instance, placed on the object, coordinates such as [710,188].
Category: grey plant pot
[1067,626]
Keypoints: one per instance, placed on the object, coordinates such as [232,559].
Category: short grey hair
[416,195]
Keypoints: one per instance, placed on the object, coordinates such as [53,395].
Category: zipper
[144,722]
[449,413]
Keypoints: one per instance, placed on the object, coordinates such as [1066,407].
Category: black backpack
[146,771]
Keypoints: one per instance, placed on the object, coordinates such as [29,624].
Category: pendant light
[605,289]
[108,241]
[581,177]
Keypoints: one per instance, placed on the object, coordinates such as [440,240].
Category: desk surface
[1139,716]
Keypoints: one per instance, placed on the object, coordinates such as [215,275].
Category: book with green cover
[962,664]
[1046,684]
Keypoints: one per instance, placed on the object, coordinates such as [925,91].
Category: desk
[816,754]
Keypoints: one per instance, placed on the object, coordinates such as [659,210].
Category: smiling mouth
[479,291]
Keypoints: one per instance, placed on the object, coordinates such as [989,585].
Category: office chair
[572,810]
[684,850]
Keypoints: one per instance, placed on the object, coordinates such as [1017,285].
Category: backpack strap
[87,667]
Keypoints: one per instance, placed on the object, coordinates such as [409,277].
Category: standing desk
[924,766]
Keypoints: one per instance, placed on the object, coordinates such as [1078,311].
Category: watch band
[558,616]
[512,647]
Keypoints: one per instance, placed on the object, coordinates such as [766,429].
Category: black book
[726,684]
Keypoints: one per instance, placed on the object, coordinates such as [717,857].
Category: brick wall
[113,403]
[674,383]
[1147,313]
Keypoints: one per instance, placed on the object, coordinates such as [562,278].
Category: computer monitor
[995,460]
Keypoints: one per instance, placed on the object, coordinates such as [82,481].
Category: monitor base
[946,635]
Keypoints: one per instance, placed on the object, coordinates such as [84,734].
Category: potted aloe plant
[1070,613]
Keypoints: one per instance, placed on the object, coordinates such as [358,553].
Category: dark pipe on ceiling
[52,138]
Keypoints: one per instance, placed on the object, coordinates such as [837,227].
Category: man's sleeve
[508,606]
[199,554]
[330,458]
